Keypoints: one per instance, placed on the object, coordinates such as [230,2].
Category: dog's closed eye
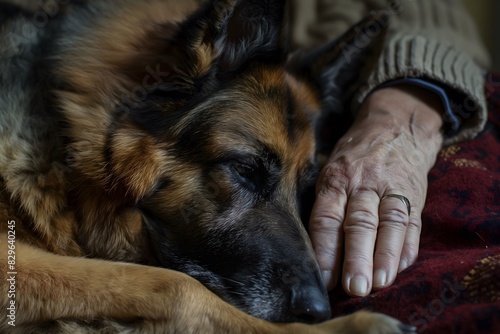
[251,176]
[244,170]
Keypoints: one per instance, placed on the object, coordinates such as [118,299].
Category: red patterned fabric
[454,287]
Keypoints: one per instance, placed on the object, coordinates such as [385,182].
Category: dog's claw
[407,328]
[362,322]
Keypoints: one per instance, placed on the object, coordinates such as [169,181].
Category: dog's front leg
[52,287]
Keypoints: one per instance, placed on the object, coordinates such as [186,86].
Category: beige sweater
[433,39]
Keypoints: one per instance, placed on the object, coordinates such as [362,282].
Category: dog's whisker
[232,280]
[235,293]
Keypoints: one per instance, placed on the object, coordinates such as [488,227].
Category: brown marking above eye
[250,116]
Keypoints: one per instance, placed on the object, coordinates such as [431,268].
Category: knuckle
[395,215]
[411,247]
[332,170]
[362,261]
[329,186]
[388,254]
[361,220]
[412,252]
[415,224]
[332,180]
[325,224]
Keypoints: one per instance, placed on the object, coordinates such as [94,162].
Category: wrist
[417,109]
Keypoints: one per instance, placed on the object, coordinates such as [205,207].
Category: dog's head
[219,152]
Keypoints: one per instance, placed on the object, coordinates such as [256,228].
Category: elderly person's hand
[358,232]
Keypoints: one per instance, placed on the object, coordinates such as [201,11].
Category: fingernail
[359,286]
[380,278]
[403,264]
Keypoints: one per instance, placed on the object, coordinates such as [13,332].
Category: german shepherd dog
[154,156]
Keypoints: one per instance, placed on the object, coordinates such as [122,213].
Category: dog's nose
[310,304]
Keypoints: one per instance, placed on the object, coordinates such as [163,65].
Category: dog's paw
[363,322]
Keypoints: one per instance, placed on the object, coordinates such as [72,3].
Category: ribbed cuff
[441,63]
[451,127]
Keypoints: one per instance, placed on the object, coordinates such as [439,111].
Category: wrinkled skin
[359,239]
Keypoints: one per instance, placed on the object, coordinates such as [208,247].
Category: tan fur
[133,145]
[174,303]
[73,204]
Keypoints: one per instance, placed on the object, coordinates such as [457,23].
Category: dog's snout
[310,304]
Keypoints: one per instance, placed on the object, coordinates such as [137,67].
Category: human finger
[360,233]
[394,219]
[325,226]
[411,243]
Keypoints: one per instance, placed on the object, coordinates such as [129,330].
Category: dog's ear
[334,67]
[198,42]
[221,38]
[257,33]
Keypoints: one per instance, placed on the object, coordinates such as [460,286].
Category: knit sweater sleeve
[430,39]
